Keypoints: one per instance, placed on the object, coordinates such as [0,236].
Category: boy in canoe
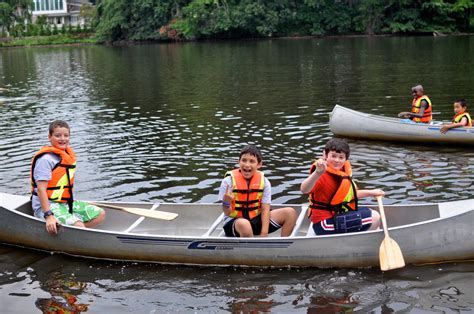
[333,195]
[52,179]
[246,196]
[461,117]
[421,107]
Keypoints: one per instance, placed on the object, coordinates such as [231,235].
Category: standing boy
[333,195]
[461,117]
[52,179]
[246,196]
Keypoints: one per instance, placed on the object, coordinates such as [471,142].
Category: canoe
[425,233]
[350,123]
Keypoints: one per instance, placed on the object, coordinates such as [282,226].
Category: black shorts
[256,223]
[359,220]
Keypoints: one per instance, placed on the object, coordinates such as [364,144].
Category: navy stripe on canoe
[153,241]
[206,244]
[232,244]
[450,130]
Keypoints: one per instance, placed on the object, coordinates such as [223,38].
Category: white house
[59,12]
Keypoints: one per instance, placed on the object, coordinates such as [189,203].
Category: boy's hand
[321,165]
[51,223]
[377,192]
[404,114]
[228,196]
[444,129]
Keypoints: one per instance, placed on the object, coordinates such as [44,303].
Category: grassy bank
[62,39]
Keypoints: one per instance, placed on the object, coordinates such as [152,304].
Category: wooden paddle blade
[391,256]
[151,213]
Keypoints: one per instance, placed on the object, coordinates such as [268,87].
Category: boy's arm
[446,127]
[51,221]
[308,183]
[226,196]
[407,114]
[368,193]
[265,219]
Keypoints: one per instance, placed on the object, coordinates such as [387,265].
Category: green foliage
[6,17]
[115,20]
[89,13]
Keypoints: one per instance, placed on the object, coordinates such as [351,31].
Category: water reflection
[64,292]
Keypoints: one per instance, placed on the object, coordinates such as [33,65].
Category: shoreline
[35,41]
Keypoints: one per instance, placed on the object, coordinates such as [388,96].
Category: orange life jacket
[416,106]
[458,117]
[248,195]
[342,199]
[62,177]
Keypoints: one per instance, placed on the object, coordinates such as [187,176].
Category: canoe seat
[214,226]
[299,221]
[310,232]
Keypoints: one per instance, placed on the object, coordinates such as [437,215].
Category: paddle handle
[382,216]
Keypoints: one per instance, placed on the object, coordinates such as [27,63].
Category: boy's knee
[243,227]
[290,213]
[375,219]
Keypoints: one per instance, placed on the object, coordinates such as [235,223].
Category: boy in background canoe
[52,179]
[421,107]
[461,117]
[246,196]
[333,195]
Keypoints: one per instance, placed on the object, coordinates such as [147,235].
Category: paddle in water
[390,255]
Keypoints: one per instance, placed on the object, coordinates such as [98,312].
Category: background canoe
[425,233]
[346,122]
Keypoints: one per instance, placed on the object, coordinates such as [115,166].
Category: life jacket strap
[247,191]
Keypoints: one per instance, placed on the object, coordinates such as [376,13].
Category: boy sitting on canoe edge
[461,116]
[333,195]
[52,179]
[246,197]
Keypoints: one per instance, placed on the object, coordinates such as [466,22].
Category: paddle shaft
[140,211]
[382,216]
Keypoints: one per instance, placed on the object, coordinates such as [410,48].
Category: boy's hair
[252,150]
[337,145]
[58,124]
[462,102]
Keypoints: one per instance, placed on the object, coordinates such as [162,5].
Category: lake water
[163,122]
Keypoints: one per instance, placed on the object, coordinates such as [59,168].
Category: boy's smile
[248,165]
[336,160]
[59,138]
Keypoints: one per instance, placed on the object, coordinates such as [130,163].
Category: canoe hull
[346,122]
[436,240]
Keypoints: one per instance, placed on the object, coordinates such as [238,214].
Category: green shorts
[81,211]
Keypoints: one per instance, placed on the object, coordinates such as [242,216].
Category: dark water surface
[164,122]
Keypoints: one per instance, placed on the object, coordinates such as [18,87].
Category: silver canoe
[346,122]
[425,233]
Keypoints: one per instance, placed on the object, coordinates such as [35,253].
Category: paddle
[140,211]
[390,255]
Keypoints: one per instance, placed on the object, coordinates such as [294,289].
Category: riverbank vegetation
[142,20]
[205,19]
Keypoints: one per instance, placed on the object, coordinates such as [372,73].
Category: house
[59,12]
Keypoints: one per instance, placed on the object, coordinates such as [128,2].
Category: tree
[6,17]
[89,13]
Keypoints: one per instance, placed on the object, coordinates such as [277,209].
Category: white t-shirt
[43,171]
